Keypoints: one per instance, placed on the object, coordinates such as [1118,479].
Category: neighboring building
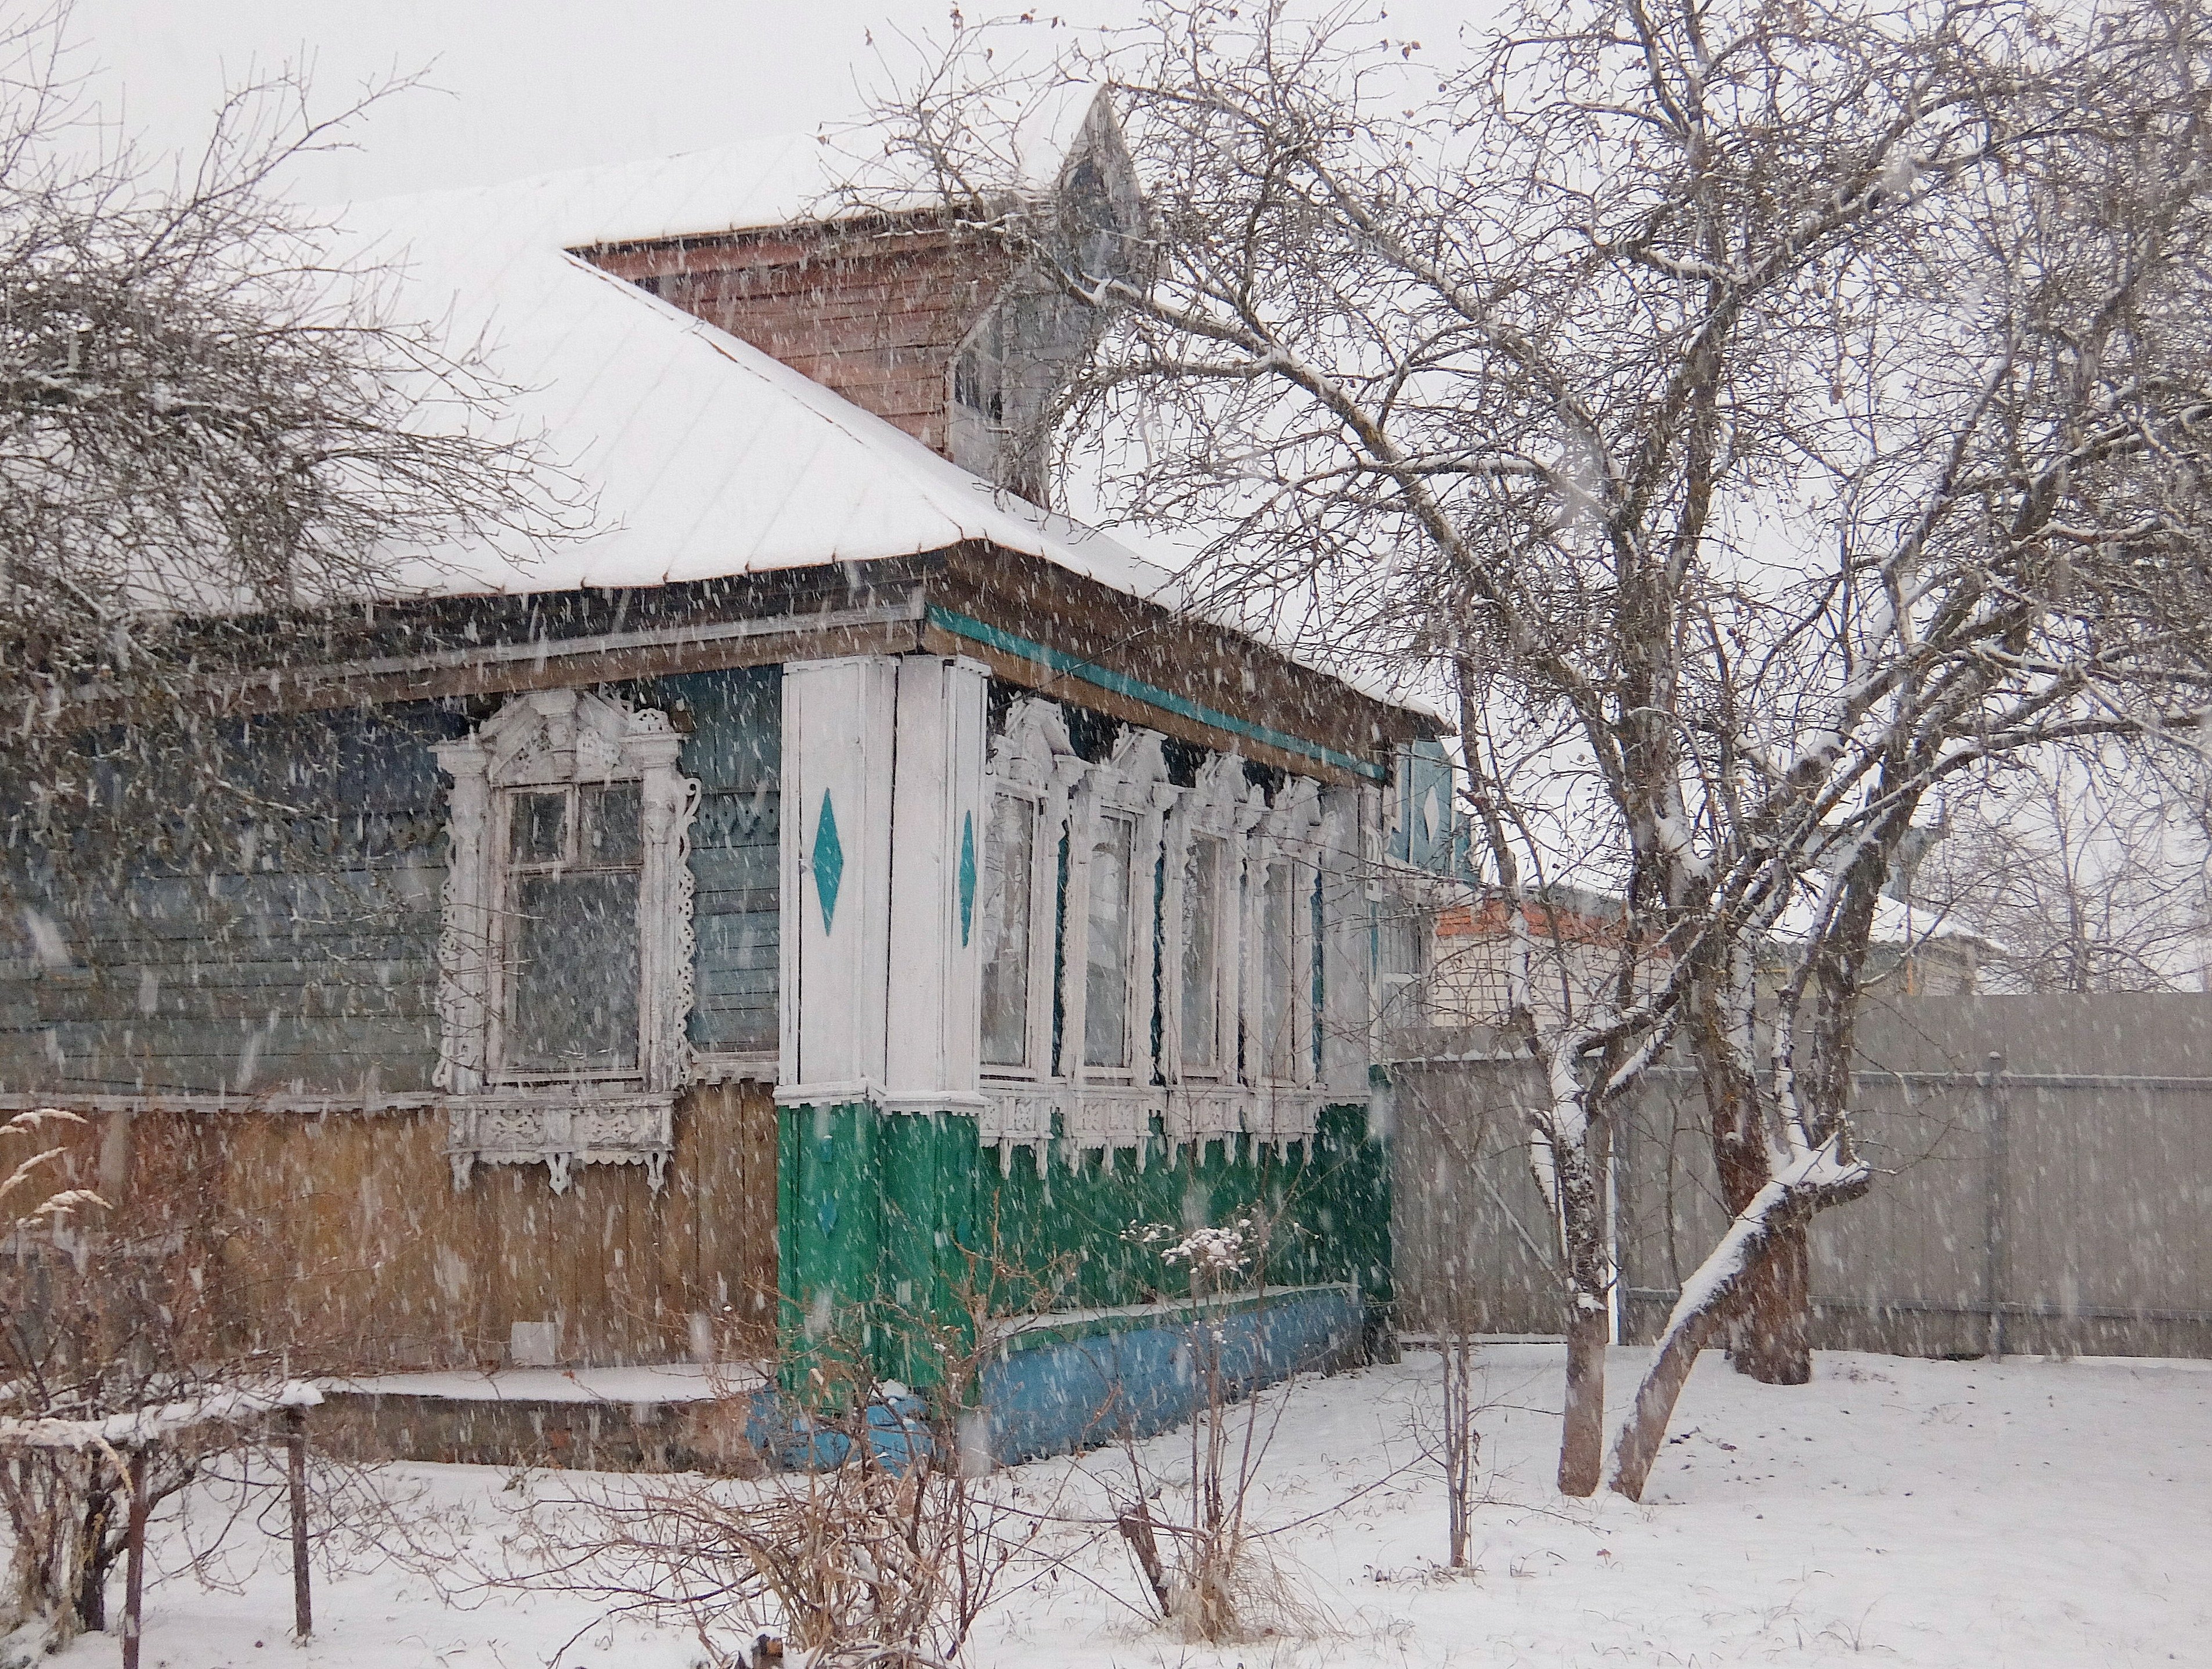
[836,889]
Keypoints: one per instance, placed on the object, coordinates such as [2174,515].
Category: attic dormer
[929,327]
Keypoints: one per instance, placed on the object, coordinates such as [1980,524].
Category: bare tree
[1757,414]
[2088,873]
[213,430]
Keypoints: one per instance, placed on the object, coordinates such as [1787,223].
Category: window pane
[1278,1049]
[573,1001]
[1106,980]
[1201,957]
[607,835]
[536,828]
[1009,853]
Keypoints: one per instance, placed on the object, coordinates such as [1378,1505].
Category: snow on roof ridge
[751,185]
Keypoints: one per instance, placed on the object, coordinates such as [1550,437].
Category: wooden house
[838,897]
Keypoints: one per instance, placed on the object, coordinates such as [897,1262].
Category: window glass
[1106,978]
[1279,1042]
[574,995]
[608,832]
[1201,956]
[572,935]
[538,827]
[1009,866]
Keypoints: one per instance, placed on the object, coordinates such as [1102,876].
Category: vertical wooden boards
[938,825]
[1056,1235]
[337,1242]
[839,730]
[721,1247]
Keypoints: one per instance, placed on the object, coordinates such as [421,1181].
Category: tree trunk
[92,1576]
[1770,1333]
[1581,1438]
[1770,1316]
[1739,1259]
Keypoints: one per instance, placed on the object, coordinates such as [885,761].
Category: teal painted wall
[1061,1235]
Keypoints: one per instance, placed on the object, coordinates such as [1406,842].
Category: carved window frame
[1288,840]
[1221,806]
[540,740]
[1032,761]
[1132,786]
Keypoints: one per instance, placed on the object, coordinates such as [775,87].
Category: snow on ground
[2028,1512]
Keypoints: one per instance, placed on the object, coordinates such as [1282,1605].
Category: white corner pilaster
[940,820]
[840,730]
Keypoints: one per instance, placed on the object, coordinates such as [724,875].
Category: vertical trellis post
[134,1577]
[295,1445]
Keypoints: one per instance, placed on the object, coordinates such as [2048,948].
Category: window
[1290,934]
[1279,976]
[1009,916]
[1203,890]
[1108,948]
[1151,947]
[566,955]
[575,854]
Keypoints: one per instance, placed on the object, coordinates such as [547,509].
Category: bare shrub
[1207,1566]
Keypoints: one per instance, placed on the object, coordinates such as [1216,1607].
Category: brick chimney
[929,327]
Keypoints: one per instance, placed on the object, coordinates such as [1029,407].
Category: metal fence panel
[2044,1184]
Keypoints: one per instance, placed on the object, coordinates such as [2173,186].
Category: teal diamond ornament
[967,875]
[829,861]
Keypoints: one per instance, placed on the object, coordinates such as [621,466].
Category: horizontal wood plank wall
[299,946]
[305,952]
[735,749]
[338,1244]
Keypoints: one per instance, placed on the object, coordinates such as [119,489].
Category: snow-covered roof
[704,458]
[757,183]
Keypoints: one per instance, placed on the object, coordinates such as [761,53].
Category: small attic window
[978,385]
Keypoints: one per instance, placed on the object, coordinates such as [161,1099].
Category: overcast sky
[527,86]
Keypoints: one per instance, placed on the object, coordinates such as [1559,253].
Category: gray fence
[2044,1186]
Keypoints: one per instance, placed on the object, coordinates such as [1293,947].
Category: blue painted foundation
[1052,1390]
[1058,1387]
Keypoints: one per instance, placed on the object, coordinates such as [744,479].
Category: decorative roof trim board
[1120,684]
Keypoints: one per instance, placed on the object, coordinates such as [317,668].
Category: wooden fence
[2044,1186]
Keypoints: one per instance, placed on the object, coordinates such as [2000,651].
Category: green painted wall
[1062,1235]
[893,1227]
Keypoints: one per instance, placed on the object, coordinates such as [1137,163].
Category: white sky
[527,86]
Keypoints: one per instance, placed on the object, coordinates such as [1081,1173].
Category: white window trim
[1034,761]
[1133,784]
[1289,838]
[1221,806]
[551,738]
[1085,1109]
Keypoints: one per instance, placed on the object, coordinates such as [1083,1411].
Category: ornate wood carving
[503,1113]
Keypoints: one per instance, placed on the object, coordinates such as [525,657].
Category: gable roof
[705,458]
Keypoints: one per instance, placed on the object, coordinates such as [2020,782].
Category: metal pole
[295,1444]
[1993,1097]
[134,1569]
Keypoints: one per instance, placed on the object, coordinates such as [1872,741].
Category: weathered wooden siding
[874,313]
[302,953]
[299,947]
[339,1241]
[736,751]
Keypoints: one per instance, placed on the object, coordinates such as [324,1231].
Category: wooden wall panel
[338,1243]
